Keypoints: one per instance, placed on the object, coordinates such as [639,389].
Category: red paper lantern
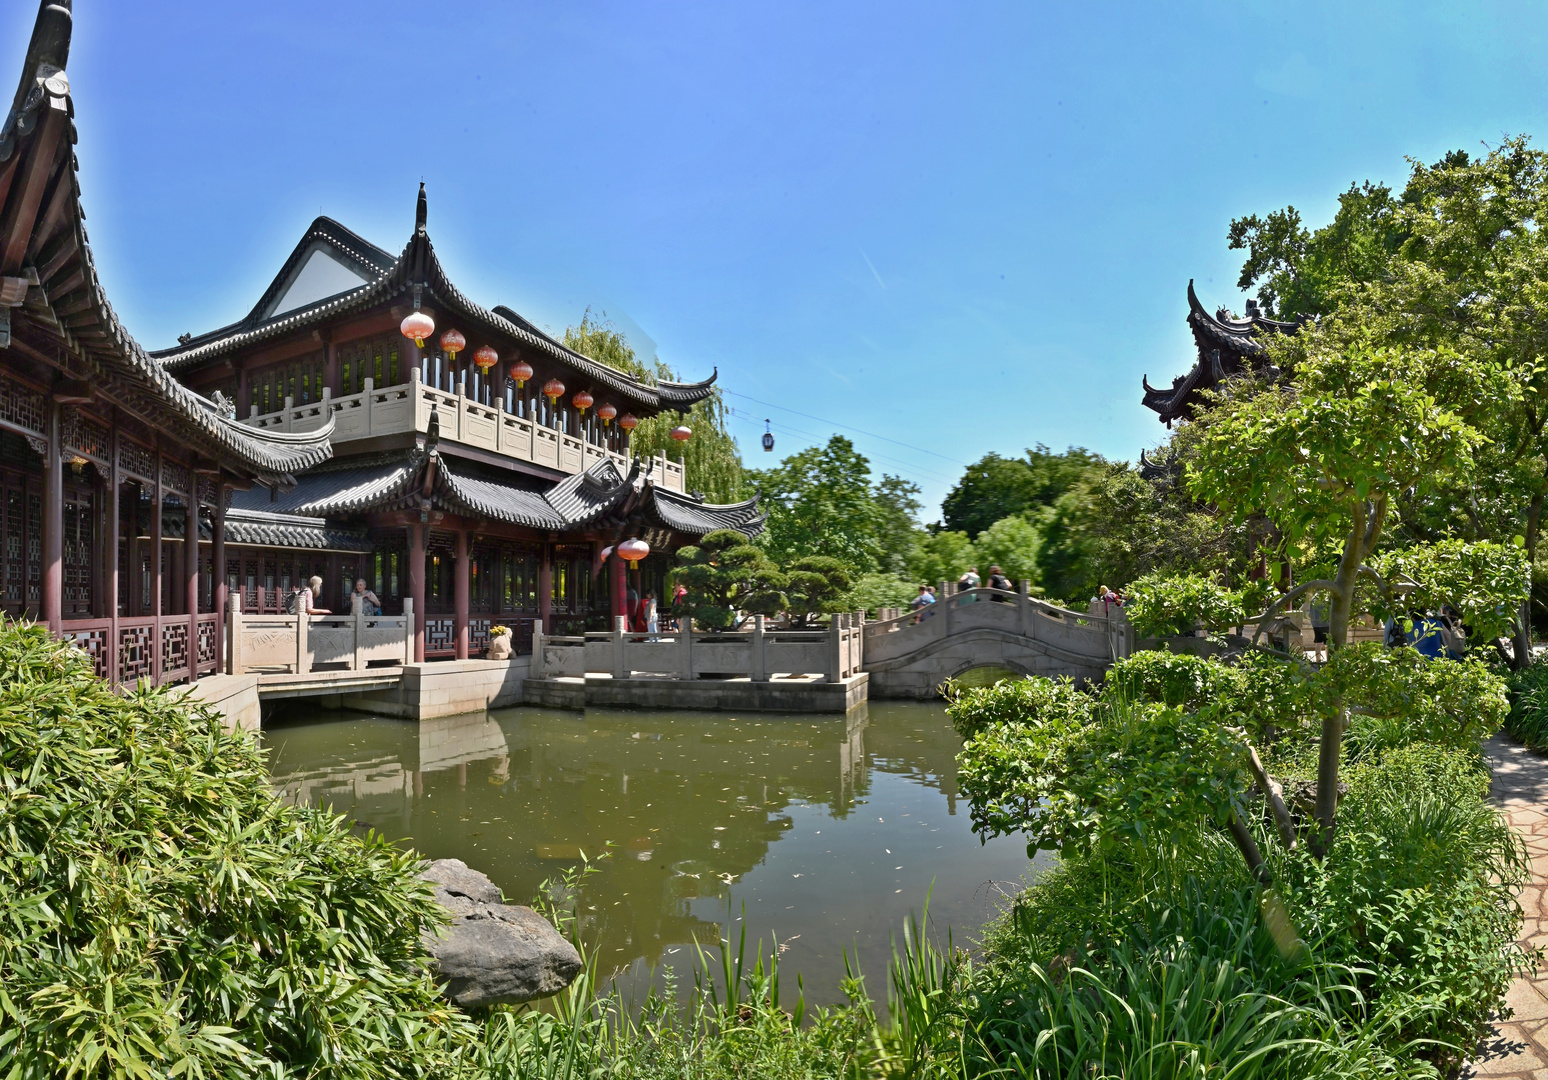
[521,371]
[552,389]
[486,358]
[681,433]
[453,343]
[628,422]
[606,412]
[417,327]
[582,401]
[634,551]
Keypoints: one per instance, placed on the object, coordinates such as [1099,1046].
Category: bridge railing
[760,654]
[301,643]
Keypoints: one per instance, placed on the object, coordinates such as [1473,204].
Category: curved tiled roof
[346,487]
[417,267]
[688,515]
[66,319]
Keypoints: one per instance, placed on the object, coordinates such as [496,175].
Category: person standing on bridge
[306,603]
[922,601]
[966,584]
[999,581]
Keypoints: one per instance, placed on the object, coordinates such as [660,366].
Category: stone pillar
[760,653]
[460,591]
[53,524]
[620,658]
[416,587]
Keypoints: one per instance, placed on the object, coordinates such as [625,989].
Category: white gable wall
[320,276]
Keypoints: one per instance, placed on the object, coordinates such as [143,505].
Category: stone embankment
[492,952]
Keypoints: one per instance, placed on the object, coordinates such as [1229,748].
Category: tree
[712,462]
[725,575]
[1325,459]
[820,502]
[1013,544]
[815,586]
[997,487]
[943,556]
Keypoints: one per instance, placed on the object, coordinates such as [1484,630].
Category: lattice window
[94,642]
[34,551]
[174,477]
[15,549]
[78,546]
[174,647]
[136,459]
[300,380]
[440,635]
[84,435]
[207,643]
[209,491]
[21,406]
[478,634]
[135,660]
[375,359]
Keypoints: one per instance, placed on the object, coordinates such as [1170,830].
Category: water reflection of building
[690,803]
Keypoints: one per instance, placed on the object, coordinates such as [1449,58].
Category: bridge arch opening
[986,675]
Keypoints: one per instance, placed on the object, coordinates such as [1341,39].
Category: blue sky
[964,226]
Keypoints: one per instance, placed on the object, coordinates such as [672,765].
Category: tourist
[631,609]
[679,606]
[966,583]
[652,619]
[306,603]
[999,581]
[370,604]
[922,601]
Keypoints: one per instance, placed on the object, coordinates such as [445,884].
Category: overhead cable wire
[784,429]
[847,427]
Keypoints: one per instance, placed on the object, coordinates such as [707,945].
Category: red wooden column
[191,570]
[155,556]
[218,587]
[546,589]
[53,525]
[115,510]
[416,587]
[618,585]
[460,590]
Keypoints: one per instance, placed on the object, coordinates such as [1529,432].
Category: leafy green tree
[898,533]
[816,586]
[725,576]
[943,556]
[874,591]
[712,462]
[820,502]
[997,487]
[1012,543]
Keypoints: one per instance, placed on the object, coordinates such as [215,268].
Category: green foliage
[1163,605]
[1527,721]
[712,461]
[815,586]
[1484,582]
[995,488]
[1056,703]
[1400,697]
[875,591]
[944,556]
[725,574]
[1012,544]
[820,502]
[165,914]
[1172,679]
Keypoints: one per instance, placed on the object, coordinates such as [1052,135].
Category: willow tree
[711,460]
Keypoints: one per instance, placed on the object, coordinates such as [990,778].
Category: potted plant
[499,643]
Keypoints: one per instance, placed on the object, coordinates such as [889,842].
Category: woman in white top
[307,605]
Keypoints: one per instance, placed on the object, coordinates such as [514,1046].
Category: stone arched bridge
[911,655]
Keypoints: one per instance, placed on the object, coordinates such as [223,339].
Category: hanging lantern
[552,389]
[485,358]
[768,438]
[606,412]
[681,433]
[628,422]
[582,401]
[633,550]
[521,371]
[452,343]
[417,327]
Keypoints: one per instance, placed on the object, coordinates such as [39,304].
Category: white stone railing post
[303,661]
[536,668]
[836,628]
[1024,606]
[369,404]
[760,651]
[620,661]
[357,623]
[234,633]
[943,601]
[408,630]
[286,422]
[685,644]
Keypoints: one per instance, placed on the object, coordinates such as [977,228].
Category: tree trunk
[1521,642]
[1330,752]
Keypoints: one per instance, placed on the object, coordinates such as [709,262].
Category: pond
[826,831]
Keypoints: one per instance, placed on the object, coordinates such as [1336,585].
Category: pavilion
[365,419]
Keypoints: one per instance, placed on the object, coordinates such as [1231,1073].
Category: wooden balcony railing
[394,410]
[152,649]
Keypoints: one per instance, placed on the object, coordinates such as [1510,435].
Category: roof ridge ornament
[421,211]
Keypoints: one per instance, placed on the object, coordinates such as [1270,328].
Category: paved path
[1518,1047]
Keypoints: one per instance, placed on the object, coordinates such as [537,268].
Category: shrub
[164,913]
[1163,605]
[1527,721]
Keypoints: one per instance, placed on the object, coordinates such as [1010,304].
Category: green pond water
[826,831]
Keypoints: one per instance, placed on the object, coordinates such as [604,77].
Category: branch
[1249,849]
[1285,598]
[1276,798]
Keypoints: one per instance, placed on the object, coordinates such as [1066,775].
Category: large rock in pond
[493,952]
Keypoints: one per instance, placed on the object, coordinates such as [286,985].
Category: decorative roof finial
[421,211]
